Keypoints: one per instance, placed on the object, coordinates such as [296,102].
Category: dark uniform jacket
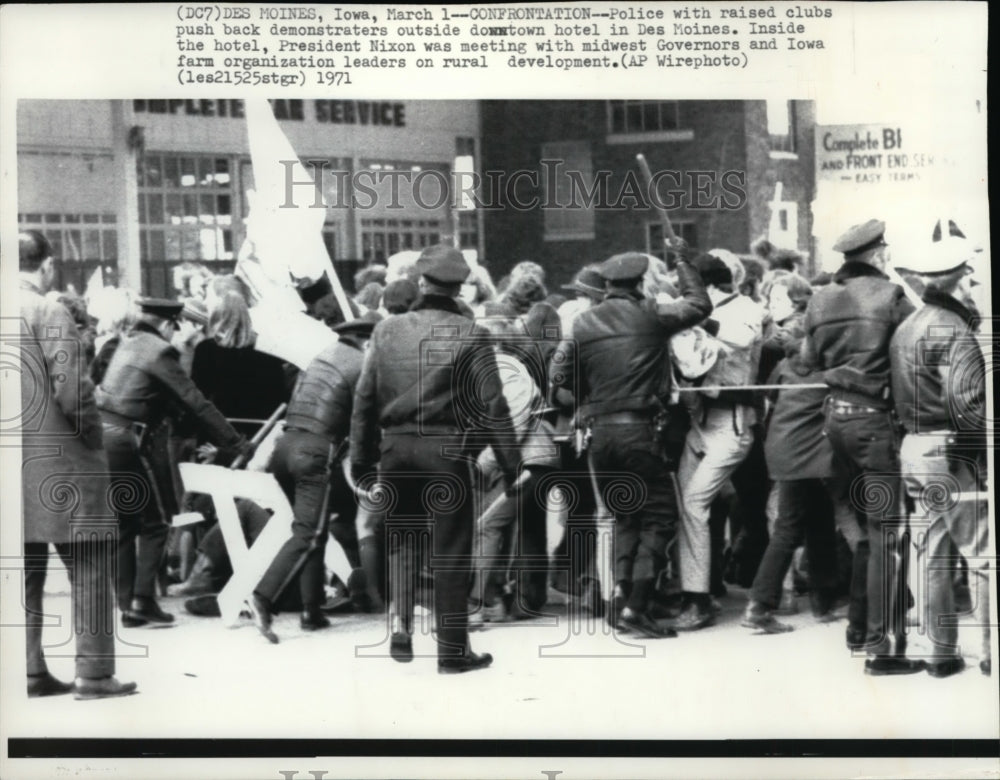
[794,446]
[323,398]
[617,359]
[431,371]
[848,326]
[64,473]
[938,370]
[145,383]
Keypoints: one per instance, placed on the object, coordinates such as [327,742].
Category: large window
[382,237]
[185,207]
[571,216]
[781,127]
[642,116]
[76,238]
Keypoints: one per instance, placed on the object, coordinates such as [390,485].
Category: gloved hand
[677,250]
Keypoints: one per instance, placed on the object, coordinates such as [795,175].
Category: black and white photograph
[481,428]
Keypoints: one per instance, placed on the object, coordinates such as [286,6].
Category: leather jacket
[431,371]
[848,326]
[145,383]
[938,369]
[618,359]
[323,397]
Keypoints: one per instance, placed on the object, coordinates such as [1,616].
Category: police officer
[939,388]
[145,389]
[305,461]
[430,383]
[617,367]
[848,326]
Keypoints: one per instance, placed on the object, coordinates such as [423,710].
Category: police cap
[361,326]
[443,264]
[161,307]
[627,266]
[860,238]
[587,281]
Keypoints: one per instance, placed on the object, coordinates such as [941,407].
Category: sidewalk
[199,679]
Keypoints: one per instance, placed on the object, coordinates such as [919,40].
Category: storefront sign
[337,112]
[875,154]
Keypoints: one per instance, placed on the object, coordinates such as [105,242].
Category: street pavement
[553,677]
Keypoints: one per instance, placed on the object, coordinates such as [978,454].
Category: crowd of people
[733,422]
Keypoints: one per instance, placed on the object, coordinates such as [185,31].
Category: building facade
[728,173]
[138,187]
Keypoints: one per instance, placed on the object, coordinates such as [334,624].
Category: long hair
[229,323]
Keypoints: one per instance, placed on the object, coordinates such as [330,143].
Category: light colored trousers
[946,495]
[716,445]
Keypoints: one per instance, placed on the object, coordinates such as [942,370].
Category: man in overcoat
[64,484]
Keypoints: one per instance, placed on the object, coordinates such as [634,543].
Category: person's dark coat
[64,474]
[848,327]
[240,381]
[617,359]
[794,445]
[431,371]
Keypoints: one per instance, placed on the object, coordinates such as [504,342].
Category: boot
[759,617]
[146,611]
[313,619]
[46,685]
[199,583]
[102,688]
[260,612]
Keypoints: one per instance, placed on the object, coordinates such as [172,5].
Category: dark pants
[636,487]
[301,464]
[88,560]
[749,513]
[866,458]
[804,511]
[513,546]
[143,531]
[429,518]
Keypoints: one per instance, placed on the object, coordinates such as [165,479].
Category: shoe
[199,582]
[788,604]
[759,617]
[260,613]
[494,613]
[946,668]
[146,609]
[986,666]
[466,663]
[822,604]
[312,619]
[46,685]
[694,618]
[642,624]
[881,665]
[203,606]
[101,688]
[401,647]
[856,638]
